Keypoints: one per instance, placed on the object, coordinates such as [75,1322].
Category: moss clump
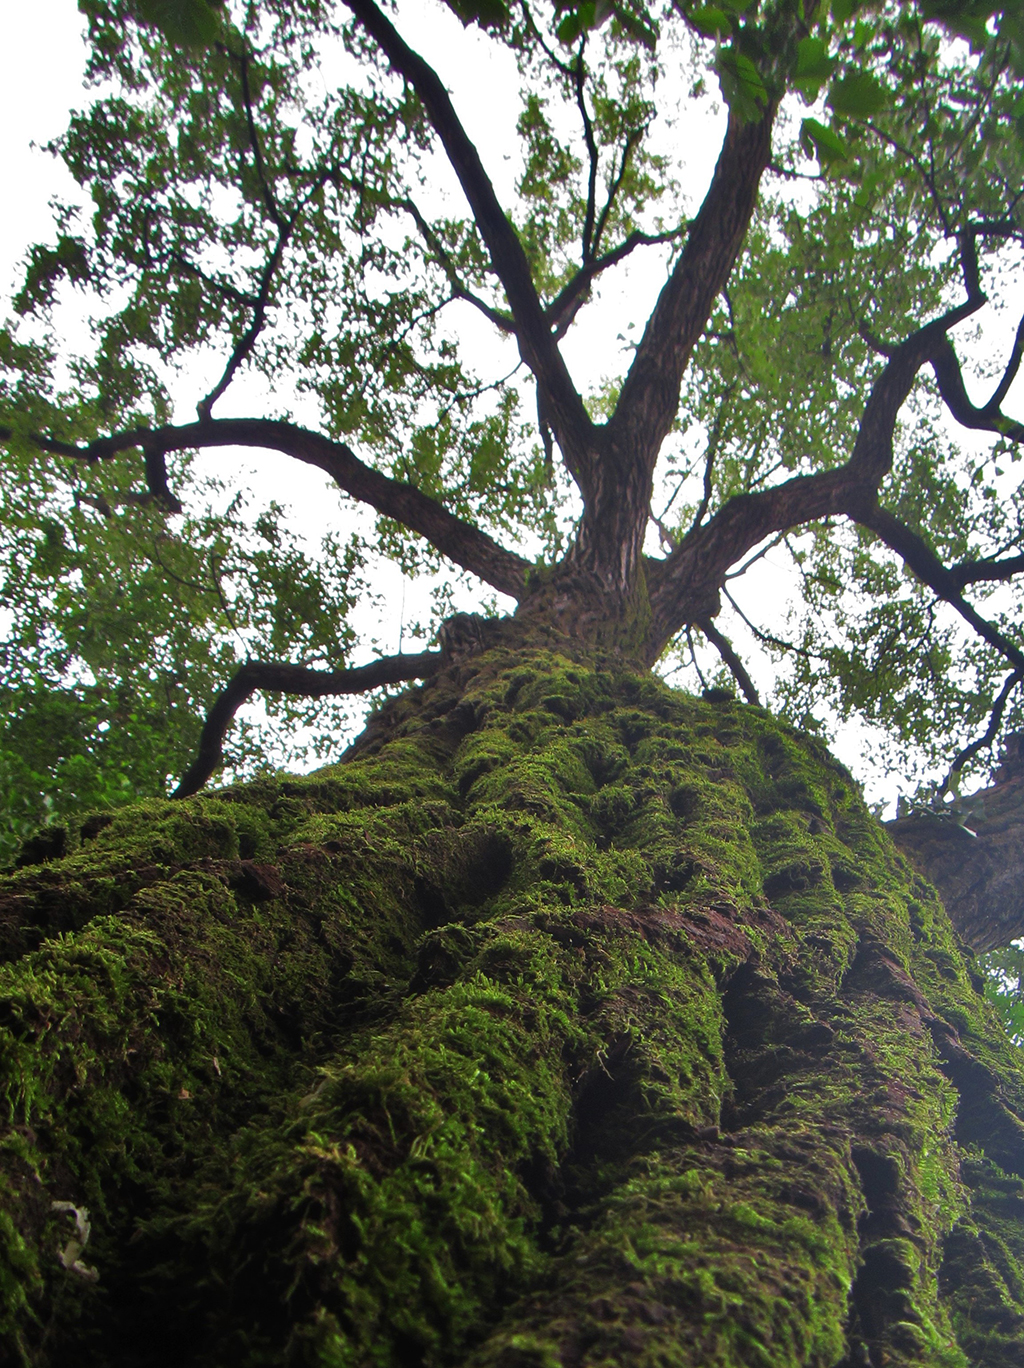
[574,1021]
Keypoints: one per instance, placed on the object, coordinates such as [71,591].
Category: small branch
[709,463]
[741,570]
[766,638]
[787,172]
[970,572]
[665,533]
[222,287]
[995,721]
[613,190]
[459,290]
[254,142]
[921,170]
[291,679]
[579,75]
[564,306]
[737,669]
[247,341]
[693,657]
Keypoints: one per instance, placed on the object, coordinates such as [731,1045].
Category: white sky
[44,57]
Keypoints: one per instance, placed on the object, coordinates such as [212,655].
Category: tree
[570,1019]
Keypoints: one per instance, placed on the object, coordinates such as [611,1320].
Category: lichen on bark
[572,1021]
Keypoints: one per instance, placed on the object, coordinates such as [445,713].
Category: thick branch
[978,869]
[609,544]
[1012,368]
[462,543]
[292,679]
[537,346]
[156,479]
[650,395]
[684,587]
[871,459]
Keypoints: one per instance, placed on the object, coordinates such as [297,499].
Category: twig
[693,657]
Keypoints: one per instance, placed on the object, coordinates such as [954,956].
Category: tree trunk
[573,1021]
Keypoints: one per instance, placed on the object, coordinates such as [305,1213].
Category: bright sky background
[44,57]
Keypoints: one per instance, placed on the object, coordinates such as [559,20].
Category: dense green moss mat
[572,1021]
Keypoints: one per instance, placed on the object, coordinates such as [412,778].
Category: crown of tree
[801,374]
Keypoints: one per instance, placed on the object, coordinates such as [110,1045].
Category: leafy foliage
[1005,987]
[122,623]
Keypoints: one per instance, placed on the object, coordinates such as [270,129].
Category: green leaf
[867,191]
[186,23]
[577,21]
[843,10]
[965,18]
[711,21]
[742,86]
[812,57]
[489,14]
[858,95]
[634,19]
[824,142]
[813,66]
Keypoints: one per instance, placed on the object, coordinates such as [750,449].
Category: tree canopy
[267,261]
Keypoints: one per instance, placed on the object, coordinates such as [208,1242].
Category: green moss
[575,1020]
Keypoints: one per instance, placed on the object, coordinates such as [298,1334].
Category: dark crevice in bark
[771,1037]
[985,1116]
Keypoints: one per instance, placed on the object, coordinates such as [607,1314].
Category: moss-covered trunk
[577,1022]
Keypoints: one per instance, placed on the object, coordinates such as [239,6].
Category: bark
[976,859]
[570,1021]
